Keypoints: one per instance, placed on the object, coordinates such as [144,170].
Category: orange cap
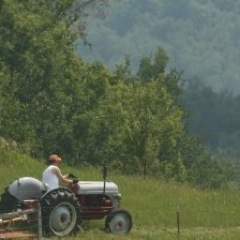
[54,158]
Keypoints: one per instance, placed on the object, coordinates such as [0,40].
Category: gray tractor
[64,209]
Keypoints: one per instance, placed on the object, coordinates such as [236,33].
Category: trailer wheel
[118,222]
[60,213]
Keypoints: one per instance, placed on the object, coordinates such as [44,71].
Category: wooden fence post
[39,220]
[178,218]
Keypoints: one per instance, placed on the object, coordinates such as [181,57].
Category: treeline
[201,39]
[214,116]
[52,101]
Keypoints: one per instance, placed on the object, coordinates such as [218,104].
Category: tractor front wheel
[118,222]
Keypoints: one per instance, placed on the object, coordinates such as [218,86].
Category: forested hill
[201,37]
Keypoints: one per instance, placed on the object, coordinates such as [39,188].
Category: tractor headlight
[118,196]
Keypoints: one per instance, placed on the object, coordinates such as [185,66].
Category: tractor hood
[96,187]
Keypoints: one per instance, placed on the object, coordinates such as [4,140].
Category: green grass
[203,214]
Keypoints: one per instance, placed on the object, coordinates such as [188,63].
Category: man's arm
[62,179]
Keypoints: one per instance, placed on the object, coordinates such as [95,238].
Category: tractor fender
[26,188]
[53,190]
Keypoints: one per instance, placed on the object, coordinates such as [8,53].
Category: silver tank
[26,188]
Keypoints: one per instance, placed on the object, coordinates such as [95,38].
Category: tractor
[63,209]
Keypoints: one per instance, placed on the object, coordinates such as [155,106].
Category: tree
[37,51]
[12,122]
[136,124]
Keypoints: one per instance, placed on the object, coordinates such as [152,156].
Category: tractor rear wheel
[60,213]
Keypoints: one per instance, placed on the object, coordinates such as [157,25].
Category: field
[156,206]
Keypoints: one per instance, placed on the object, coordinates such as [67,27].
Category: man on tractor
[52,176]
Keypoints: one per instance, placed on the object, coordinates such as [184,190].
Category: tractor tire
[60,213]
[118,222]
[8,203]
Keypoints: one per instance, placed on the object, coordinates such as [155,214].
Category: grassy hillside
[153,204]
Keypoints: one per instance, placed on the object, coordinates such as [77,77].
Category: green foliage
[201,37]
[53,102]
[213,115]
[153,67]
[134,123]
[12,119]
[43,71]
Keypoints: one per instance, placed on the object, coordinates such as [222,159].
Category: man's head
[54,159]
